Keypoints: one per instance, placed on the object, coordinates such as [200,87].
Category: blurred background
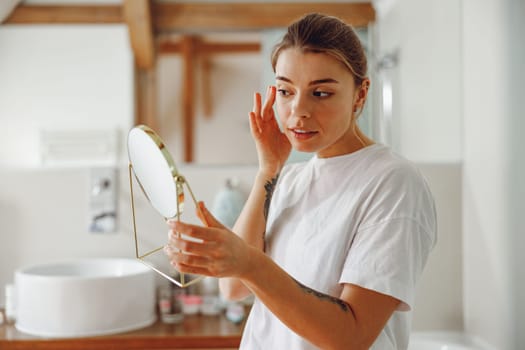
[447,79]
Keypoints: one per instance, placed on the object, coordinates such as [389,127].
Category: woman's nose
[300,106]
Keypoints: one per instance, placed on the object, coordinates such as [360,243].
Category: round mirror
[154,169]
[155,172]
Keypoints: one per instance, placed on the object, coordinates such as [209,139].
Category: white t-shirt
[365,218]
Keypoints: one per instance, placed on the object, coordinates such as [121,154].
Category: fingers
[192,269]
[267,110]
[177,257]
[254,128]
[267,113]
[207,218]
[193,231]
[192,257]
[255,115]
[201,215]
[257,104]
[188,263]
[182,244]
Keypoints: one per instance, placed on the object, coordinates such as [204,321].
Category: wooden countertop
[195,332]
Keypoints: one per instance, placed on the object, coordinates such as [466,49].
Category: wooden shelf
[195,332]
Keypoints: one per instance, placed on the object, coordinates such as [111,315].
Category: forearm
[325,321]
[251,226]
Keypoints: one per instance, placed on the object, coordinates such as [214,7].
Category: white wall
[66,77]
[494,169]
[427,128]
[439,301]
[427,120]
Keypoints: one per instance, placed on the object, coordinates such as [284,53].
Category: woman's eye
[283,92]
[322,94]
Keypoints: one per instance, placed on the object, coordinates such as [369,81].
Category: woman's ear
[361,95]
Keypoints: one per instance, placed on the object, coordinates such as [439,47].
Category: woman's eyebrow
[313,82]
[279,77]
[323,81]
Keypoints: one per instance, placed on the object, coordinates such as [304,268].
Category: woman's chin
[305,149]
[307,146]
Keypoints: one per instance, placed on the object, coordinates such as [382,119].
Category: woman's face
[316,95]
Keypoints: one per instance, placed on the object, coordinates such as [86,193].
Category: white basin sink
[84,297]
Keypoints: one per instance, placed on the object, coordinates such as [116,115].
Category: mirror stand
[180,182]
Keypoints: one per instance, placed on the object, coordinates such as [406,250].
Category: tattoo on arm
[269,186]
[264,241]
[342,304]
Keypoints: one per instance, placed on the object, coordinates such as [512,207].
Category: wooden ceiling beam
[137,14]
[170,17]
[81,14]
[188,110]
[209,48]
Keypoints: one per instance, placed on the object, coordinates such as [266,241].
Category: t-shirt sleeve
[394,239]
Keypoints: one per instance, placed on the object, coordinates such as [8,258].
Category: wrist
[253,264]
[267,174]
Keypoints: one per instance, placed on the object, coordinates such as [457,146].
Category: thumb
[206,217]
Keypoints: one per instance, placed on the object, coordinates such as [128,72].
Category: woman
[331,248]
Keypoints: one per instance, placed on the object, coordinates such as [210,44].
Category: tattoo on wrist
[269,186]
[342,304]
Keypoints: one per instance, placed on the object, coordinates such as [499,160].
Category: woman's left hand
[220,252]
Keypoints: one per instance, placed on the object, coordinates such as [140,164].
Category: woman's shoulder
[397,186]
[387,163]
[386,171]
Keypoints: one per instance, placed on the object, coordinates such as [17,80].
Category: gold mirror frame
[180,182]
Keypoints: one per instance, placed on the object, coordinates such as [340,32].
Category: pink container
[190,304]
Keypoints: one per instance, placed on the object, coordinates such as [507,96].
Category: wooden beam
[137,14]
[191,47]
[81,14]
[146,98]
[206,67]
[169,17]
[209,48]
[188,46]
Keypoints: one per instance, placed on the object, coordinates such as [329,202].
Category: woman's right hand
[273,147]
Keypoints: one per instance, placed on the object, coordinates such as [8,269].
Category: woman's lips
[301,134]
